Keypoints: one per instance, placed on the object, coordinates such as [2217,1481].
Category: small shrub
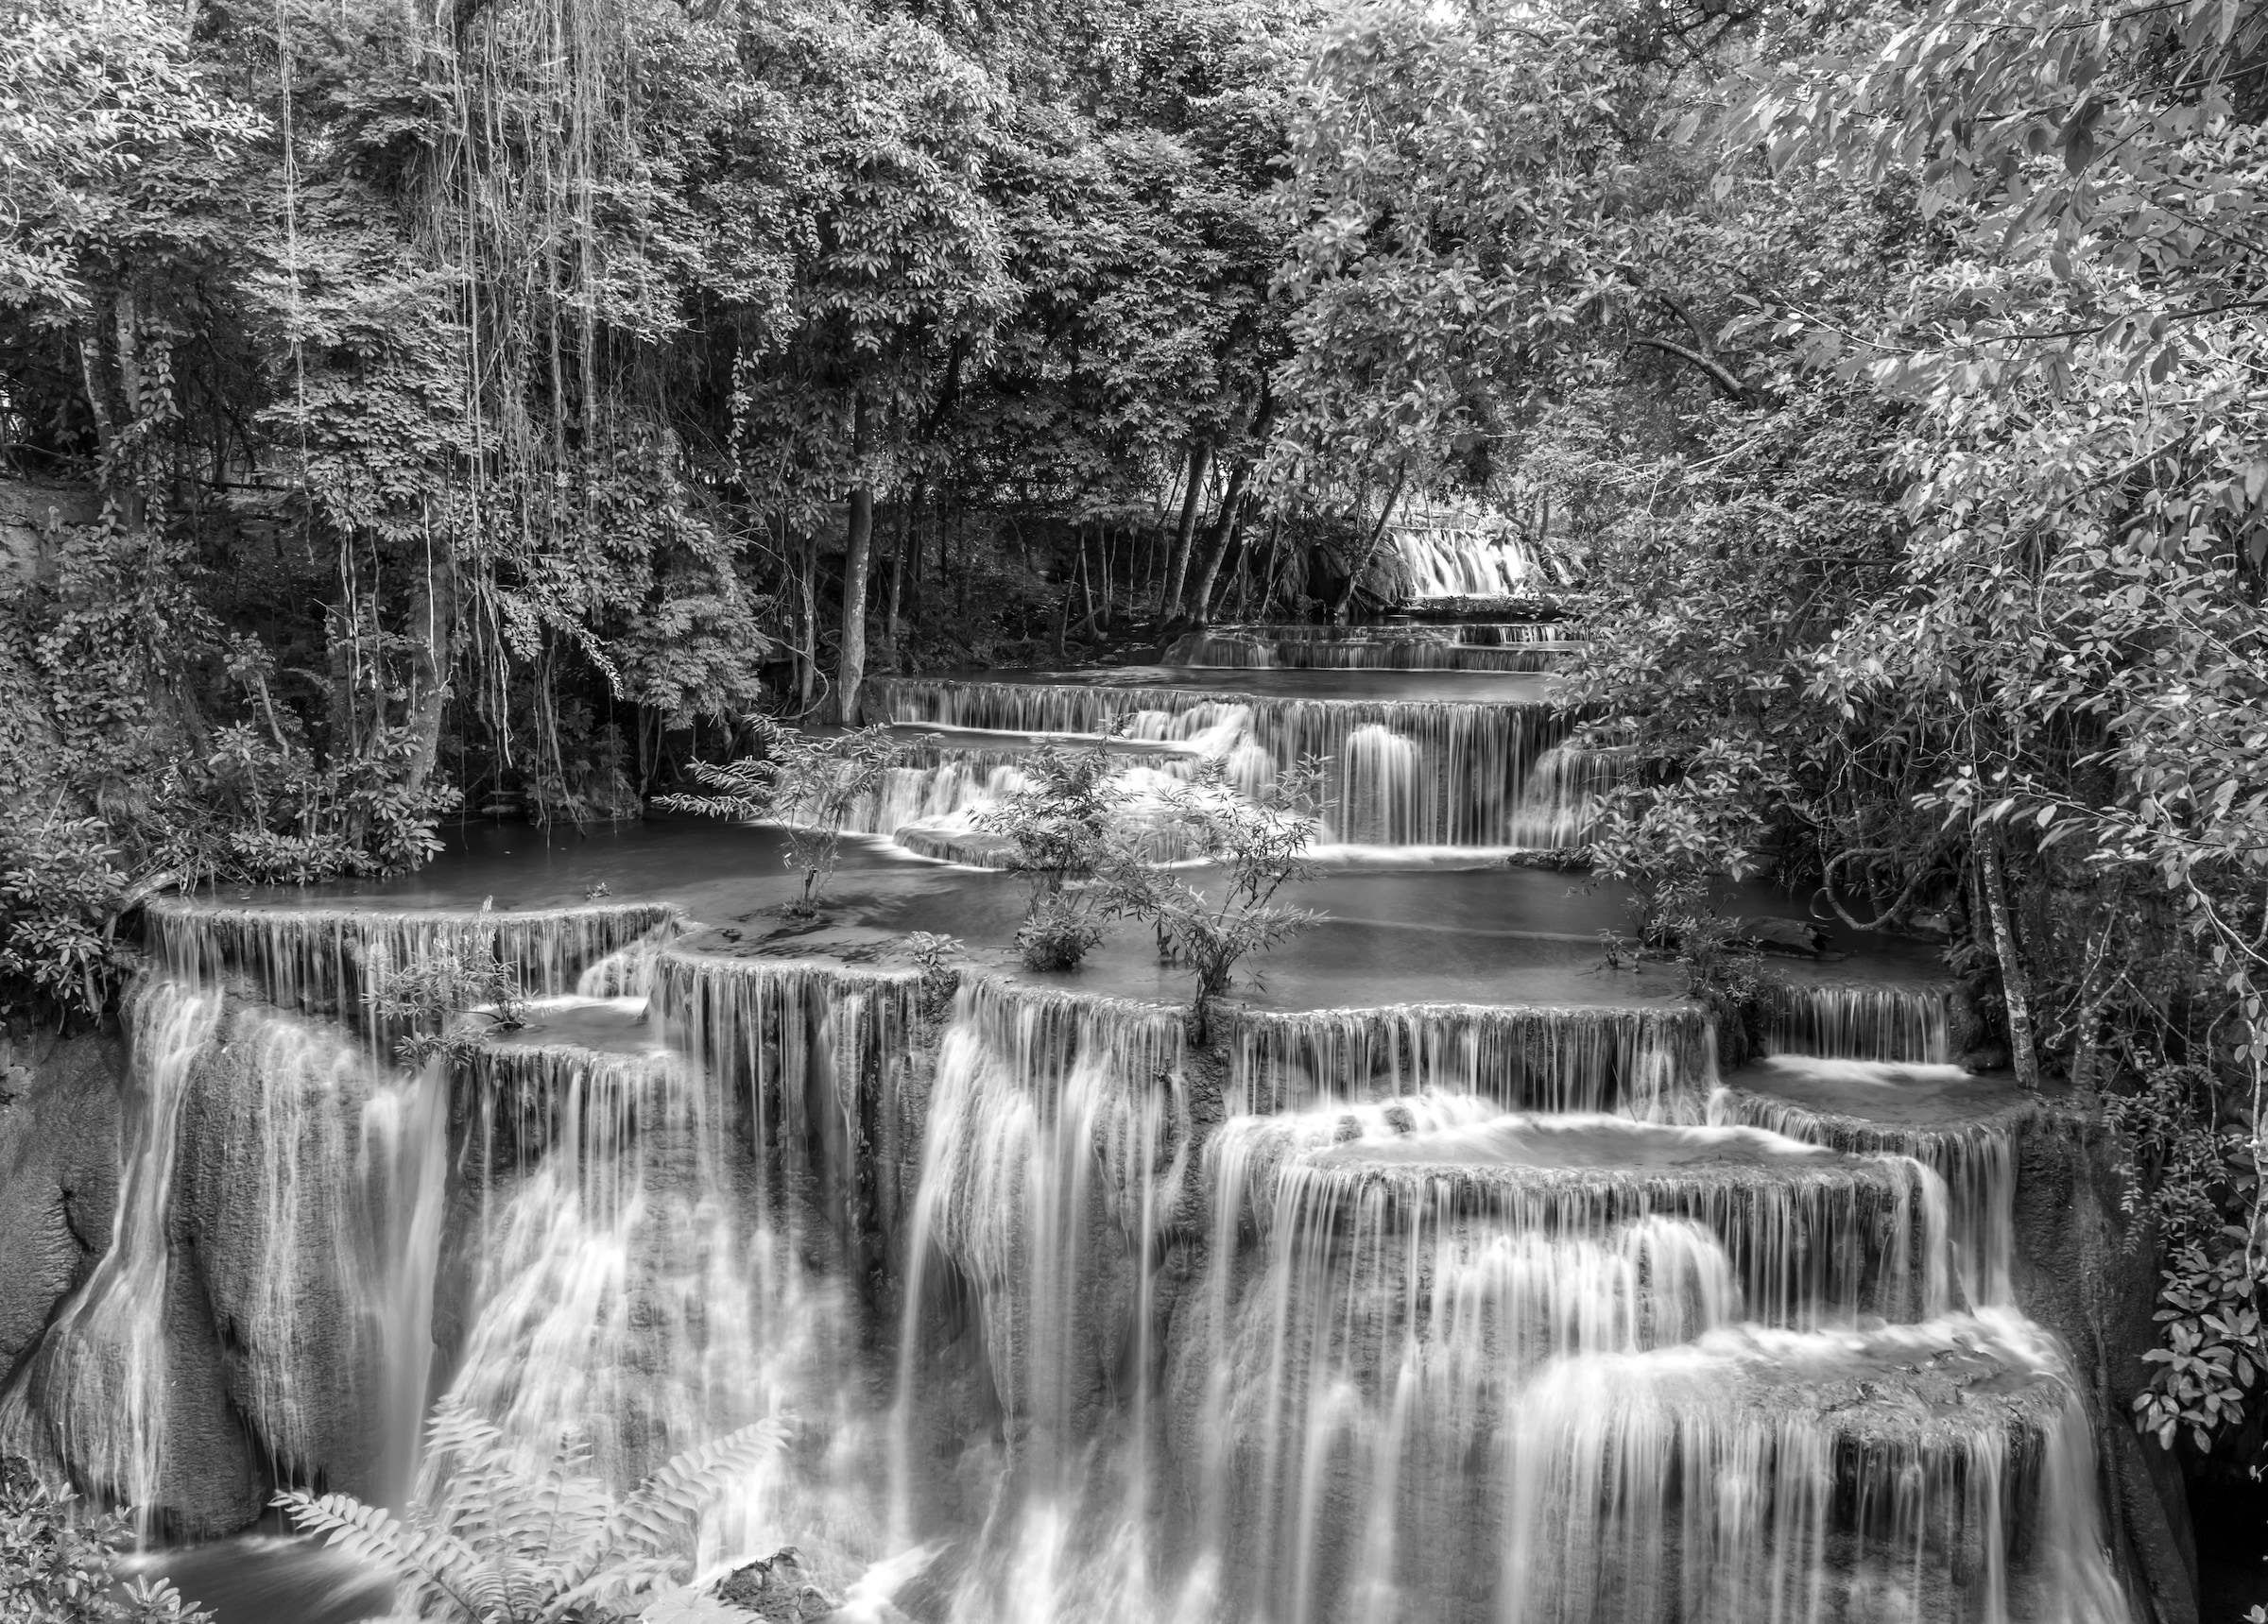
[467,977]
[808,783]
[60,892]
[1061,929]
[2192,1182]
[930,951]
[1061,828]
[1258,847]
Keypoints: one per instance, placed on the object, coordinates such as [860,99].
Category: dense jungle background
[421,412]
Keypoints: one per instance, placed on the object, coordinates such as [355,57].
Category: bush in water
[805,782]
[1255,847]
[1061,828]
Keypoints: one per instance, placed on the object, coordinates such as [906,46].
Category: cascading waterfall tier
[97,1399]
[1451,1314]
[1927,1473]
[1863,1020]
[1415,650]
[280,1183]
[1463,763]
[1813,1235]
[1641,1060]
[933,787]
[1435,562]
[1965,1132]
[1054,1170]
[816,1055]
[630,1271]
[335,959]
[1427,1385]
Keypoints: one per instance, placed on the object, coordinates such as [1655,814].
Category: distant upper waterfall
[1452,555]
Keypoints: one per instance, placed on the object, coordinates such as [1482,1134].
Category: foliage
[60,897]
[2191,1184]
[808,782]
[1059,931]
[1719,969]
[1254,847]
[931,951]
[515,1538]
[1061,828]
[56,1568]
[462,980]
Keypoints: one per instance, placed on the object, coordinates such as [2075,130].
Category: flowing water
[1499,1305]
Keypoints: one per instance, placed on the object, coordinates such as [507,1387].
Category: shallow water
[272,1578]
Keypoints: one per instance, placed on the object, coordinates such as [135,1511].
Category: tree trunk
[1216,543]
[2016,987]
[807,674]
[894,625]
[1362,565]
[850,667]
[1200,460]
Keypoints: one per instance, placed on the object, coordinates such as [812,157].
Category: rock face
[268,1201]
[59,1176]
[121,1390]
[2082,1270]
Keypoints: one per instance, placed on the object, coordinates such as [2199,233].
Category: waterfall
[98,1393]
[1381,787]
[1976,1159]
[626,1285]
[817,1052]
[1473,758]
[1757,1474]
[332,959]
[1563,794]
[1452,561]
[1638,1059]
[1414,648]
[1433,1312]
[1867,1021]
[1053,1163]
[1813,1235]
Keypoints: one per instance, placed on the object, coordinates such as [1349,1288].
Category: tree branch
[1731,388]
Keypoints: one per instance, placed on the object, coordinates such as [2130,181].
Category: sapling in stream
[1060,831]
[806,782]
[1254,849]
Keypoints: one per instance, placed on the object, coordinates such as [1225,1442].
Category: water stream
[1496,1305]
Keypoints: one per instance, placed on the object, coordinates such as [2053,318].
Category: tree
[1255,847]
[806,782]
[1061,828]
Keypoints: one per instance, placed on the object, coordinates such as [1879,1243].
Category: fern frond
[625,1582]
[413,1550]
[456,1433]
[660,1509]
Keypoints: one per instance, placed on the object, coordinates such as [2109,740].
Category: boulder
[60,1104]
[1797,936]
